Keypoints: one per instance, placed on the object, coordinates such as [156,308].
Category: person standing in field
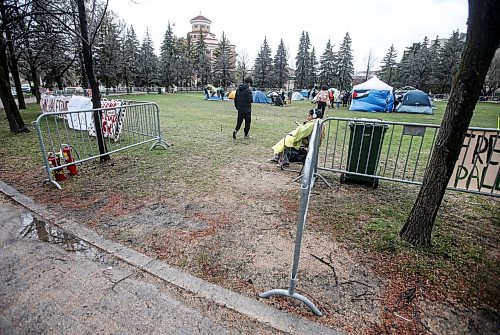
[243,99]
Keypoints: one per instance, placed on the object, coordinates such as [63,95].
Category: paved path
[65,279]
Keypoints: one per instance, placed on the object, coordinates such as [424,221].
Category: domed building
[200,28]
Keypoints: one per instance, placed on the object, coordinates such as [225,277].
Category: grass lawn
[232,219]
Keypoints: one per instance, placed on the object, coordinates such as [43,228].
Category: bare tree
[370,63]
[242,65]
[483,38]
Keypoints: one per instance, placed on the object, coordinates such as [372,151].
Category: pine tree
[301,61]
[389,65]
[280,66]
[148,64]
[312,69]
[344,64]
[202,63]
[223,68]
[130,57]
[263,66]
[167,58]
[106,52]
[434,51]
[449,60]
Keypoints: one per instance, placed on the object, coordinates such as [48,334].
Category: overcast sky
[372,24]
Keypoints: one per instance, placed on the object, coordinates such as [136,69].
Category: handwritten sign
[477,167]
[53,103]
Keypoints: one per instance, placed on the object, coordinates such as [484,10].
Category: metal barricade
[69,138]
[370,150]
[307,184]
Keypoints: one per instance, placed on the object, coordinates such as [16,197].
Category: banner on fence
[53,103]
[112,119]
[80,121]
[478,165]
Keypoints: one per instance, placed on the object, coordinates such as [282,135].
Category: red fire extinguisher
[55,162]
[68,158]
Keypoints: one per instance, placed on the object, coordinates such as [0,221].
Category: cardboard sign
[477,167]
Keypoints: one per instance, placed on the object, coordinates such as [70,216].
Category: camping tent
[260,97]
[305,93]
[415,101]
[297,96]
[231,94]
[372,96]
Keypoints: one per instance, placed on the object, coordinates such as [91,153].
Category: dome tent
[260,97]
[297,96]
[372,96]
[415,101]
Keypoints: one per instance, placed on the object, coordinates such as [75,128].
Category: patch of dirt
[241,235]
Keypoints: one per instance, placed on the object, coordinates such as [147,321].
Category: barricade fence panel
[369,150]
[69,137]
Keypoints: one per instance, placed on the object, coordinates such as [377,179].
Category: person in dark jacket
[243,99]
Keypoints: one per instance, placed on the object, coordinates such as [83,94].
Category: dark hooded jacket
[243,98]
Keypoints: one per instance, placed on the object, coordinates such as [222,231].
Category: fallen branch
[329,265]
[116,283]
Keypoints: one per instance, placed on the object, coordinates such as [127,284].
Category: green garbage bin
[365,144]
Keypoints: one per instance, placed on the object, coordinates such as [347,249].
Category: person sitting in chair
[295,139]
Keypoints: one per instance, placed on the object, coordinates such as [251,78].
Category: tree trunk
[36,86]
[94,86]
[483,38]
[16,123]
[14,70]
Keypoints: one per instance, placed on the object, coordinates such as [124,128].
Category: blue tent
[415,101]
[260,97]
[305,93]
[372,96]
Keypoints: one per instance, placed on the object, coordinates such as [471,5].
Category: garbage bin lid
[368,122]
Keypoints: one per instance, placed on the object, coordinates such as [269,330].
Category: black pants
[322,106]
[244,114]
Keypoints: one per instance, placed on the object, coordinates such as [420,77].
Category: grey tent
[415,101]
[297,96]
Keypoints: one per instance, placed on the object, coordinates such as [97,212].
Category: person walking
[243,99]
[321,99]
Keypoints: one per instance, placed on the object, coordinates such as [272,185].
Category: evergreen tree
[389,65]
[434,51]
[327,66]
[148,64]
[312,69]
[263,66]
[280,66]
[344,64]
[107,56]
[202,63]
[182,61]
[449,60]
[130,57]
[223,67]
[422,66]
[167,58]
[407,69]
[301,61]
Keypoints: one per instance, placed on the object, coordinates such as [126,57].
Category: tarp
[216,98]
[260,97]
[305,93]
[231,94]
[372,96]
[297,96]
[415,101]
